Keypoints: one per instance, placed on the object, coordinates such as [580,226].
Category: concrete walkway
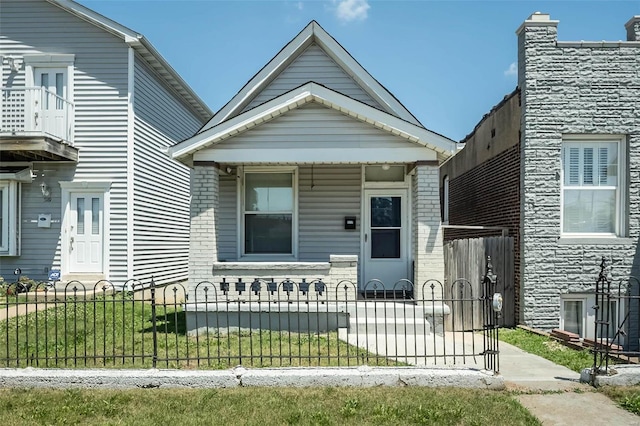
[554,393]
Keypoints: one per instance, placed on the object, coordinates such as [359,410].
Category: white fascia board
[249,119]
[336,52]
[316,155]
[300,96]
[96,19]
[360,75]
[263,76]
[138,42]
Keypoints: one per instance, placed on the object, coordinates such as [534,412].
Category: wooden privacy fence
[467,258]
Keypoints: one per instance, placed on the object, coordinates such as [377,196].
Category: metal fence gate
[617,321]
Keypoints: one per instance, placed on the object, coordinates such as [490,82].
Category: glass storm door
[50,110]
[385,238]
[86,233]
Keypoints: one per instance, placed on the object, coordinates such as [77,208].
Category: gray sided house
[87,108]
[557,162]
[314,170]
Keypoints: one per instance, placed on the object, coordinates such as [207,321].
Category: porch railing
[36,111]
[277,324]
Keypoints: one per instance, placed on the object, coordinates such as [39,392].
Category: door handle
[365,238]
[71,240]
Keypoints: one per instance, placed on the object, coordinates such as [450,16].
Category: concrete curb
[239,376]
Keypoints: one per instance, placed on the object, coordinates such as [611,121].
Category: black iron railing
[617,321]
[262,323]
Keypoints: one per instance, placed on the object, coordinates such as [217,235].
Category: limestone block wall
[572,88]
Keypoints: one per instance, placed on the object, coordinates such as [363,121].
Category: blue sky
[448,62]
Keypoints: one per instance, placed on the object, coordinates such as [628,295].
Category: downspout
[130,161]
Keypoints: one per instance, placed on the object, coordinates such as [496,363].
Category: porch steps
[383,317]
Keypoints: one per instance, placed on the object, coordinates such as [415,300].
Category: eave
[313,32]
[313,92]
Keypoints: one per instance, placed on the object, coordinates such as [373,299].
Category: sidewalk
[554,393]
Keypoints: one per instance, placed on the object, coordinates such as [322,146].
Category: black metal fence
[617,321]
[259,324]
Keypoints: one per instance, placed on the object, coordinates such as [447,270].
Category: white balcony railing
[35,111]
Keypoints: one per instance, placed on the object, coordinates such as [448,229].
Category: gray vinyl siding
[100,96]
[313,65]
[227,219]
[326,195]
[317,126]
[40,246]
[161,185]
[321,210]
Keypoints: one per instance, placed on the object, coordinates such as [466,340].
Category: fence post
[491,312]
[153,322]
[600,350]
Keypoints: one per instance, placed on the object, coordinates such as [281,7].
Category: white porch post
[203,248]
[428,254]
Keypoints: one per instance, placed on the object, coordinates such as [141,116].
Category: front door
[86,241]
[50,116]
[385,238]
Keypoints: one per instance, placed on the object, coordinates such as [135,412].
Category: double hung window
[592,203]
[268,214]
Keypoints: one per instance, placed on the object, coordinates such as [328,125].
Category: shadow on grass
[169,323]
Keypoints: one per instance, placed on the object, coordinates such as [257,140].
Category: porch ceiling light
[385,167]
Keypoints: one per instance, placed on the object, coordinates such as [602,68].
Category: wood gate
[467,258]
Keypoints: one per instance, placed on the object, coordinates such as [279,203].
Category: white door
[385,238]
[50,109]
[86,233]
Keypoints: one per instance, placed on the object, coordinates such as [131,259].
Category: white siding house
[87,108]
[313,167]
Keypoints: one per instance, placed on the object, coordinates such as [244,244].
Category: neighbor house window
[573,316]
[8,218]
[592,203]
[269,212]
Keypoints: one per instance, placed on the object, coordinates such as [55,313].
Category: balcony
[36,125]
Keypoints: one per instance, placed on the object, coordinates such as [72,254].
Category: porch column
[427,230]
[203,238]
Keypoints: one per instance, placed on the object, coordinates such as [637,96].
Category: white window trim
[620,218]
[588,313]
[10,242]
[241,213]
[574,298]
[61,61]
[374,185]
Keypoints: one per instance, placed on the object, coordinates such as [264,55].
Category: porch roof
[314,92]
[35,148]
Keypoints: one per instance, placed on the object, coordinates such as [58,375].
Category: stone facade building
[575,121]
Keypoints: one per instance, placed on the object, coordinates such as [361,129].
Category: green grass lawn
[115,331]
[262,406]
[547,348]
[627,397]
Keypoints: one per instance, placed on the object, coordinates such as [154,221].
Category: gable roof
[312,33]
[313,92]
[140,44]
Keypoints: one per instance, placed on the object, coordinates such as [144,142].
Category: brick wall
[484,180]
[203,232]
[581,88]
[489,195]
[428,255]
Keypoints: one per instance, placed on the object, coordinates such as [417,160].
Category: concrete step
[388,318]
